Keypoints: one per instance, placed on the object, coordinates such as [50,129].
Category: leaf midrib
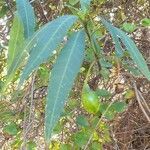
[15,44]
[63,75]
[18,60]
[51,38]
[26,18]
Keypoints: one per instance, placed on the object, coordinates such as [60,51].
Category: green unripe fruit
[90,101]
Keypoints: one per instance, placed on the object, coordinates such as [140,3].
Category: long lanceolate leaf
[16,52]
[16,40]
[118,48]
[62,77]
[42,43]
[135,54]
[26,13]
[115,37]
[47,41]
[131,47]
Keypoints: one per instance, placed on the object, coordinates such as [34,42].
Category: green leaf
[93,122]
[82,121]
[31,145]
[103,93]
[145,22]
[1,84]
[130,94]
[104,63]
[47,40]
[43,41]
[135,54]
[6,115]
[3,11]
[11,129]
[131,47]
[96,146]
[110,113]
[89,55]
[81,138]
[116,107]
[129,27]
[73,103]
[73,2]
[118,47]
[16,143]
[119,106]
[16,40]
[105,73]
[134,71]
[43,73]
[65,147]
[62,77]
[26,13]
[85,4]
[103,107]
[72,9]
[58,127]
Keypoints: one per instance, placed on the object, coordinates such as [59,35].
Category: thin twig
[139,101]
[93,46]
[27,126]
[9,7]
[43,11]
[24,129]
[144,101]
[32,97]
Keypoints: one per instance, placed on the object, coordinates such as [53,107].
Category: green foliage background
[52,43]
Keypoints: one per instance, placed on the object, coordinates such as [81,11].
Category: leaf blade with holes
[63,74]
[27,16]
[131,47]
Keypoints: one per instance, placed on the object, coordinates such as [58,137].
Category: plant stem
[93,46]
